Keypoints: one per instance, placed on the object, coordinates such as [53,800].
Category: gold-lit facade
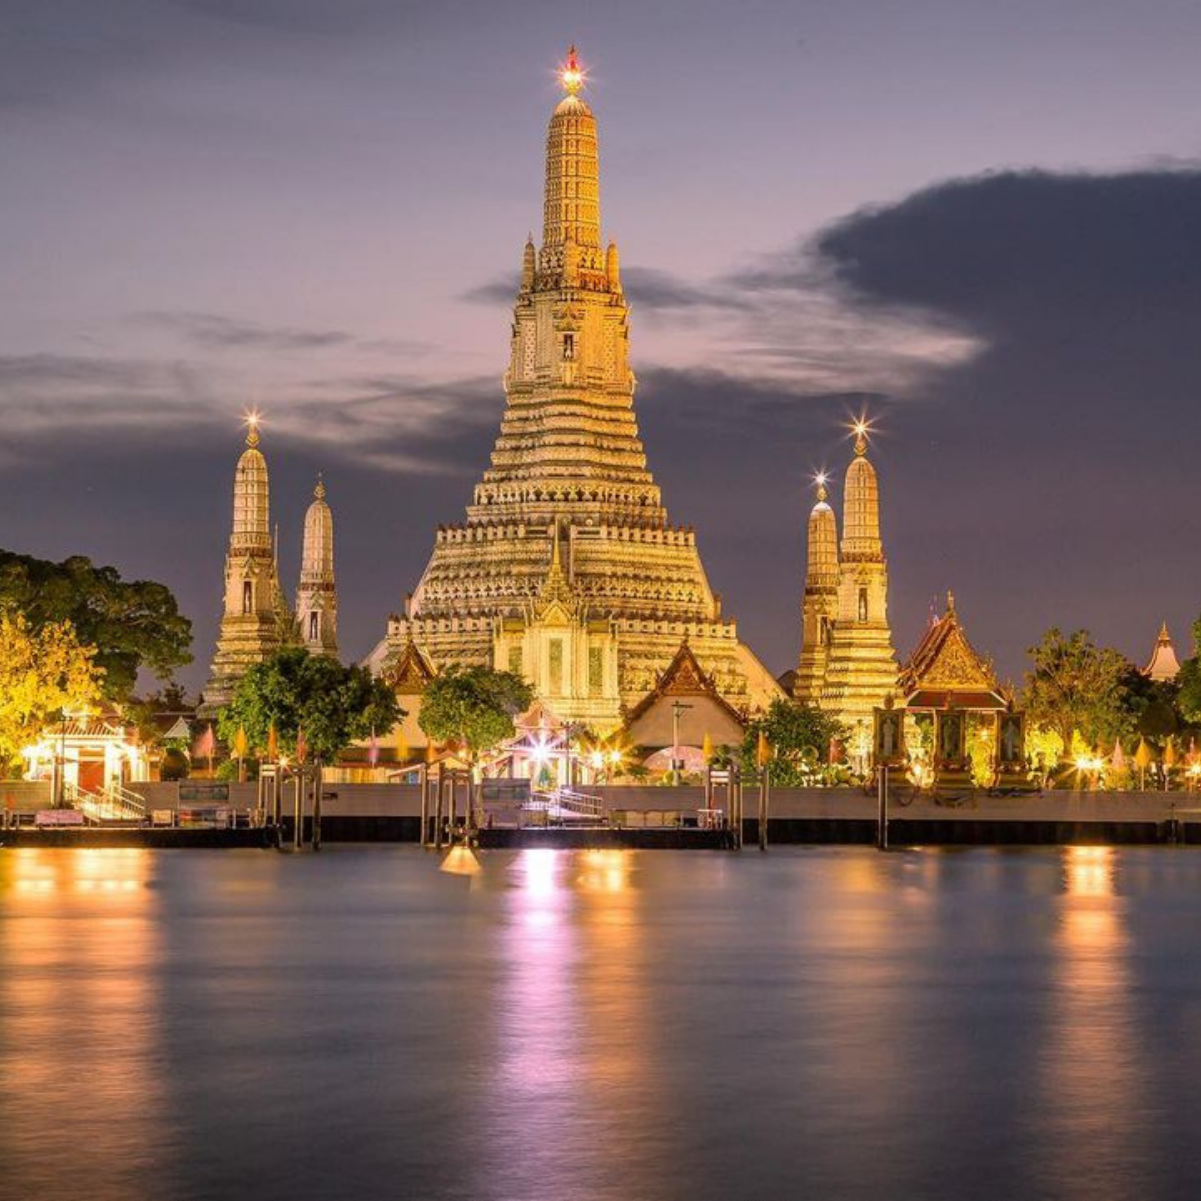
[848,665]
[253,623]
[566,568]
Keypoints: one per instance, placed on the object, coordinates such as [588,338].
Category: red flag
[206,744]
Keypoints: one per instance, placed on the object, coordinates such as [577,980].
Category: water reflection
[606,1026]
[80,1056]
[1093,1070]
[577,1076]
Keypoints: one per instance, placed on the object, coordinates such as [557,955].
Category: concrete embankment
[652,816]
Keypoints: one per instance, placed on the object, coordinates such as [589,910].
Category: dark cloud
[500,290]
[1036,255]
[650,289]
[213,331]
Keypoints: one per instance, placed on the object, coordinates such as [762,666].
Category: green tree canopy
[1074,684]
[294,690]
[797,734]
[132,624]
[42,672]
[473,706]
[1188,697]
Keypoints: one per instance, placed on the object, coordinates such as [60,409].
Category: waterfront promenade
[391,813]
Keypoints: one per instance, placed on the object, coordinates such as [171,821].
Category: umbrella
[272,744]
[1118,761]
[707,749]
[302,747]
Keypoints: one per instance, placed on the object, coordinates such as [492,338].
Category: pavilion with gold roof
[566,569]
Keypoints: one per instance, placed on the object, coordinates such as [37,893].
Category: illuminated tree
[295,691]
[1075,685]
[799,737]
[42,673]
[474,707]
[1189,680]
[131,623]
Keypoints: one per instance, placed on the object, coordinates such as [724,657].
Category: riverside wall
[390,813]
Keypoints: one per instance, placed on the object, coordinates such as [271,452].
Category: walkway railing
[115,803]
[566,805]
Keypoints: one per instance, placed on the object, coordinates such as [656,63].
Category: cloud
[1031,253]
[391,422]
[211,331]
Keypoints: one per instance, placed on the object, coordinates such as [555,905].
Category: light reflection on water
[608,1025]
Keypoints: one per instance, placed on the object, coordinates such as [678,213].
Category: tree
[799,736]
[42,672]
[1075,685]
[1189,680]
[473,706]
[294,690]
[132,624]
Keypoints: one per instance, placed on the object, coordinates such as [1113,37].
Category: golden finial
[820,481]
[252,420]
[861,428]
[950,601]
[319,491]
[571,74]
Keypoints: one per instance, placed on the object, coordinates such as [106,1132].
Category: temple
[254,623]
[566,569]
[317,593]
[1164,665]
[257,620]
[848,664]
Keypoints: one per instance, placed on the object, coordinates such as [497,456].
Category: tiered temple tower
[317,594]
[819,606]
[857,668]
[566,568]
[255,621]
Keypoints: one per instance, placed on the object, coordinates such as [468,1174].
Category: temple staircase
[567,807]
[114,804]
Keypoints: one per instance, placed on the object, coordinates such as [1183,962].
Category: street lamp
[677,708]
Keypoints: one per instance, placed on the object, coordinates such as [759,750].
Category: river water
[617,1026]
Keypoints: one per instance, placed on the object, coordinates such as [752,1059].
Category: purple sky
[978,221]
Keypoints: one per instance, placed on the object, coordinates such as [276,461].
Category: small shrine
[683,708]
[1164,664]
[948,678]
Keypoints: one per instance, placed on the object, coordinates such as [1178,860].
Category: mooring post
[439,789]
[763,793]
[298,829]
[317,806]
[423,779]
[882,814]
[736,804]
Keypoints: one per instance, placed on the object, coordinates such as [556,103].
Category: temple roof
[683,676]
[945,669]
[411,672]
[1164,665]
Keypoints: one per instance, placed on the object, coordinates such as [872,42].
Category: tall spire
[823,540]
[316,594]
[861,502]
[819,602]
[571,207]
[250,624]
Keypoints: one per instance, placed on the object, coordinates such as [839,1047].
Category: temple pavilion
[1163,665]
[566,568]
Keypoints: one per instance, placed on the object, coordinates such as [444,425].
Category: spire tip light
[571,74]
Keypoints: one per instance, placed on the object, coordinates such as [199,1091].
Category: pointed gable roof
[683,676]
[945,669]
[1164,665]
[411,672]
